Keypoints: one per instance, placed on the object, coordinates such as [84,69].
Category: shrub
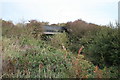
[43,61]
[47,62]
[34,28]
[77,30]
[103,48]
[59,40]
[26,56]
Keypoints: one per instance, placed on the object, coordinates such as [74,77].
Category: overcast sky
[56,11]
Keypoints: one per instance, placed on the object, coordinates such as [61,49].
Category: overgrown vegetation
[101,43]
[85,51]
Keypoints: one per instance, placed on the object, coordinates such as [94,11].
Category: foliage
[77,30]
[43,61]
[36,28]
[30,29]
[59,40]
[26,55]
[103,46]
[101,43]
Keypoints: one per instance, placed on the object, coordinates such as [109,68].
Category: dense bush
[101,43]
[27,56]
[103,47]
[77,30]
[43,61]
[59,40]
[33,28]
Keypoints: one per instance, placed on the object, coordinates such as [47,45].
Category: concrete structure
[53,30]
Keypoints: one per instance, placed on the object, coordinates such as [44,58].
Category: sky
[100,12]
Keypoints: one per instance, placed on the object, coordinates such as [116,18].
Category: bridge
[50,30]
